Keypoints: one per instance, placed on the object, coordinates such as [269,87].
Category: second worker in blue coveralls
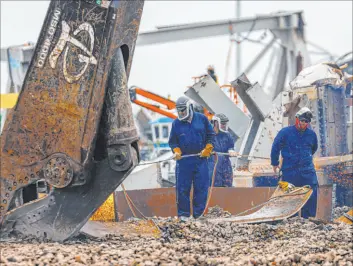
[297,145]
[223,142]
[191,133]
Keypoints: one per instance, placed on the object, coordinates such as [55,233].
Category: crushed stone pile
[295,241]
[217,212]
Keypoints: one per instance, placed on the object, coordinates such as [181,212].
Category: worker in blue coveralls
[223,142]
[191,133]
[297,145]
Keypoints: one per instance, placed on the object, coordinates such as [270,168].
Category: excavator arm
[169,104]
[72,125]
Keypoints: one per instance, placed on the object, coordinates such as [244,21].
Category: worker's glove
[206,152]
[285,186]
[177,153]
[233,153]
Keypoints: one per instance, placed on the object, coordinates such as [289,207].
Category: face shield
[304,120]
[184,111]
[304,115]
[222,125]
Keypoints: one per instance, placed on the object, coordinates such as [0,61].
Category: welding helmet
[184,108]
[304,114]
[222,121]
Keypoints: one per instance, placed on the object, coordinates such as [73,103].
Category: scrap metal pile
[294,241]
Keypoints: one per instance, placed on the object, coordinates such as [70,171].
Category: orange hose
[212,185]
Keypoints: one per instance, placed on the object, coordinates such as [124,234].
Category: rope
[128,201]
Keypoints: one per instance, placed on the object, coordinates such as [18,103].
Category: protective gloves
[177,153]
[206,152]
[285,186]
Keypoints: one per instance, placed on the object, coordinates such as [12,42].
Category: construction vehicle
[72,125]
[166,110]
[169,105]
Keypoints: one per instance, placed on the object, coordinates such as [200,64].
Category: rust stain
[119,30]
[53,116]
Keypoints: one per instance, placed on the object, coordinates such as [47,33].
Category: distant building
[160,133]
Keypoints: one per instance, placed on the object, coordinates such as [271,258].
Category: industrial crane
[169,105]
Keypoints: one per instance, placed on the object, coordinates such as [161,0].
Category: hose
[212,185]
[168,159]
[198,154]
[131,203]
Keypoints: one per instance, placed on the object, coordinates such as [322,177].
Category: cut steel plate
[102,229]
[280,206]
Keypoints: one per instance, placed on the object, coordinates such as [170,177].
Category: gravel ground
[295,241]
[339,211]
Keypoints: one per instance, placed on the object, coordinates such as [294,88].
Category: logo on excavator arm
[62,46]
[43,53]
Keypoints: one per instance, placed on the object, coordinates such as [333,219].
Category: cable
[342,57]
[259,40]
[132,205]
[248,34]
[209,196]
[130,202]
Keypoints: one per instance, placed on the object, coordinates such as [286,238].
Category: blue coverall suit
[223,142]
[191,138]
[297,149]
